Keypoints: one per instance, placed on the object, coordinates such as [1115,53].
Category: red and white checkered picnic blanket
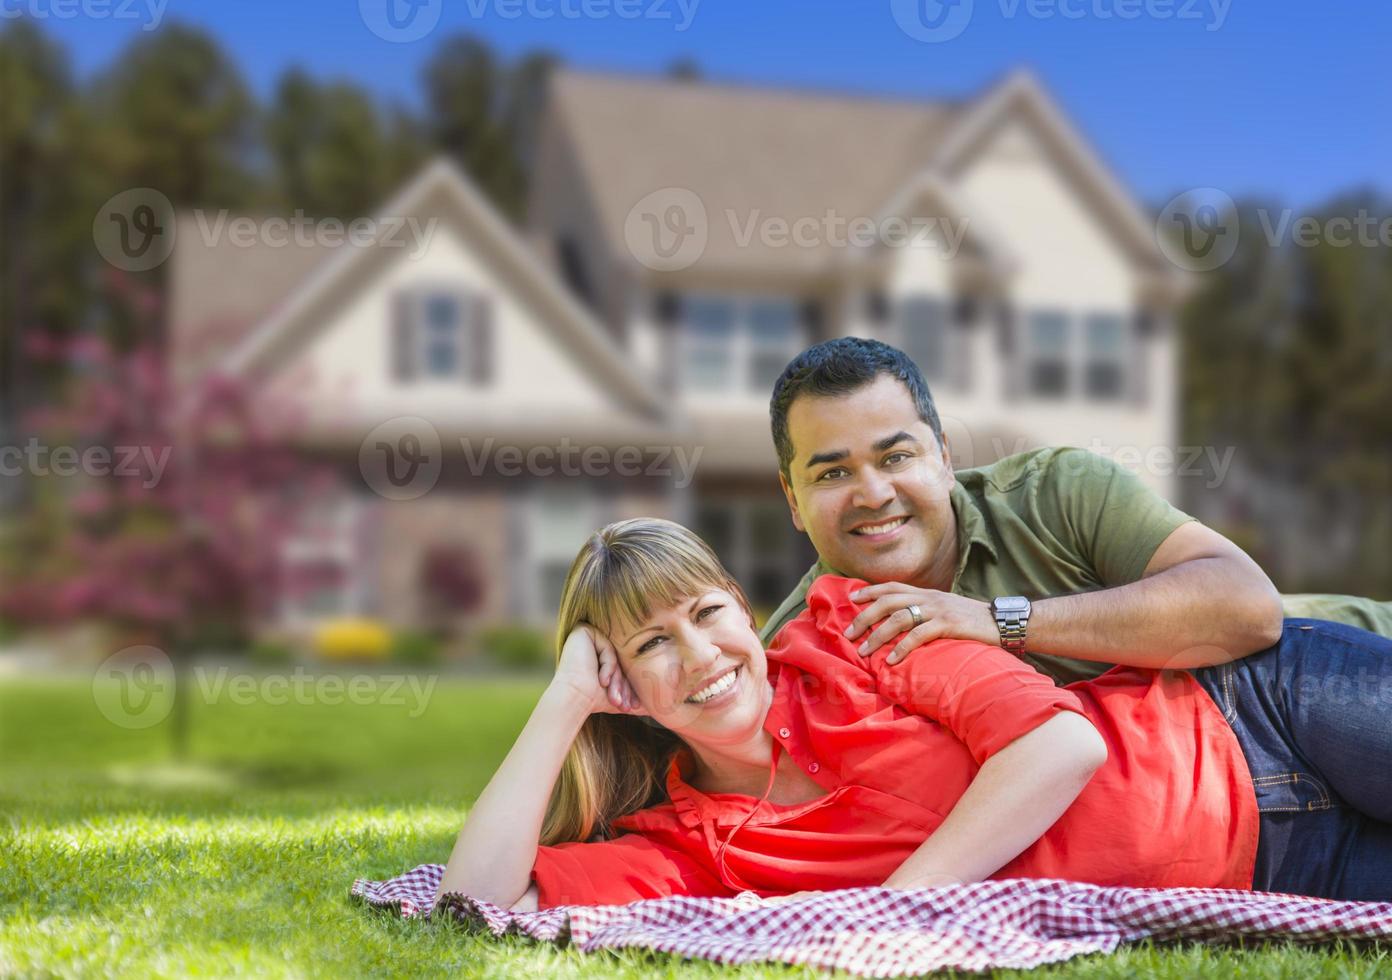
[1017,922]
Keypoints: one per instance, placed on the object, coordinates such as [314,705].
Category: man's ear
[792,502]
[946,453]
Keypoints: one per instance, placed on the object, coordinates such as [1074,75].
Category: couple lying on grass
[673,755]
[914,730]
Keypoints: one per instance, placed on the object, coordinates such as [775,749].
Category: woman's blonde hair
[618,763]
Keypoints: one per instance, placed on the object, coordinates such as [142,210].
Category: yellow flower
[353,639]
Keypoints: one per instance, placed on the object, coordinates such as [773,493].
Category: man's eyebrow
[836,455]
[650,629]
[894,440]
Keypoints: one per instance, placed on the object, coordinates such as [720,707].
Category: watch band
[1012,634]
[1012,614]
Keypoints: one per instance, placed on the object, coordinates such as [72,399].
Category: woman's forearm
[1016,796]
[494,853]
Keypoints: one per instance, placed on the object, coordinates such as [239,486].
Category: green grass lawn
[113,862]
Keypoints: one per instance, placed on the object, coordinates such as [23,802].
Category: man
[1058,555]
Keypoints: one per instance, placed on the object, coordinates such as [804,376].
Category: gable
[328,348]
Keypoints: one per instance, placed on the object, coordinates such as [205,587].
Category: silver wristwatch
[1012,614]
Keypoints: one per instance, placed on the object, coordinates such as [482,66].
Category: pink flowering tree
[172,526]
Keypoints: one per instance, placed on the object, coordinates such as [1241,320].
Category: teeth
[714,688]
[881,528]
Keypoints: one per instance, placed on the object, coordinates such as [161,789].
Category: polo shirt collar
[972,532]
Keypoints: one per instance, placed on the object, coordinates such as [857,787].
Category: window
[1066,355]
[923,335]
[775,339]
[1046,373]
[737,343]
[562,519]
[441,332]
[320,564]
[755,539]
[1104,369]
[441,335]
[708,331]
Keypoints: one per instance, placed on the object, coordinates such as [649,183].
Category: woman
[671,756]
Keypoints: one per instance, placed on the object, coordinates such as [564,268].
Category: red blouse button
[814,767]
[784,732]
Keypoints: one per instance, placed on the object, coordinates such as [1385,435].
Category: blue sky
[1281,98]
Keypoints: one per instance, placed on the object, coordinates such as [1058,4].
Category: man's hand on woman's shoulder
[889,612]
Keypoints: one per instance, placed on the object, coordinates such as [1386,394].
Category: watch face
[1011,604]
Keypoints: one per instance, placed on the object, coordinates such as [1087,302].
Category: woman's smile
[723,688]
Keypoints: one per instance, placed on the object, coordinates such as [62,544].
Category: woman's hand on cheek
[589,666]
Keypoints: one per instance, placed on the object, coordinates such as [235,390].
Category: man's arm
[1015,797]
[1200,601]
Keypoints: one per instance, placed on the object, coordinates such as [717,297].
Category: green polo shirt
[1059,522]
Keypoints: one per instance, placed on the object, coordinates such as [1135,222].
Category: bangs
[624,578]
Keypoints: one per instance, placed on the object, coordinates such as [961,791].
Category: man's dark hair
[839,367]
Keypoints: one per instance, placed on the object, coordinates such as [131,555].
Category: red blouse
[896,747]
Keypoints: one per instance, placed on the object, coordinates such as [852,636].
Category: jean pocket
[1290,792]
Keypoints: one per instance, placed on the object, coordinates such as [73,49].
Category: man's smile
[881,530]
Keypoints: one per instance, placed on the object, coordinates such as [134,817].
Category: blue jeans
[1313,715]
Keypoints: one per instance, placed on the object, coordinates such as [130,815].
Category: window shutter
[403,337]
[1142,335]
[1011,354]
[480,359]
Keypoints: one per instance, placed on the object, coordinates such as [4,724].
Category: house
[614,356]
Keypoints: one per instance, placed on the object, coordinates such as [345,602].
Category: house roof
[218,293]
[745,151]
[749,151]
[238,307]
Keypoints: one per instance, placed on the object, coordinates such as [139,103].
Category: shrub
[353,640]
[416,648]
[271,653]
[518,647]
